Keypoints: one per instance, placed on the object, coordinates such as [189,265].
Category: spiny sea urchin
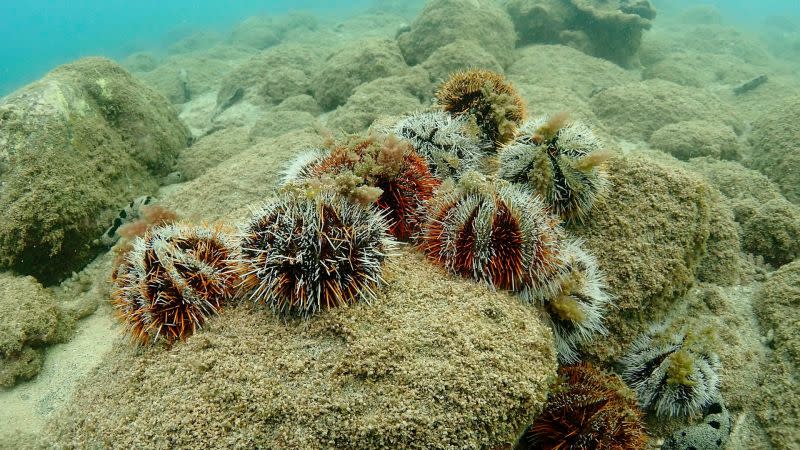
[674,374]
[173,279]
[576,310]
[488,98]
[444,141]
[560,160]
[498,234]
[589,410]
[301,255]
[381,170]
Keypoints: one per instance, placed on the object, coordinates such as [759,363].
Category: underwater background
[568,216]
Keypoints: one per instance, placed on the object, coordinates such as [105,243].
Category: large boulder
[444,21]
[635,111]
[353,65]
[434,362]
[777,306]
[649,235]
[75,147]
[776,146]
[695,138]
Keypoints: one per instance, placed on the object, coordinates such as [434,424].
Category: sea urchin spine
[173,279]
[497,234]
[302,255]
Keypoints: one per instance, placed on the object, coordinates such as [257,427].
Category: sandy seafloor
[237,155]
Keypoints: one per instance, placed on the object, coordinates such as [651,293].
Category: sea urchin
[174,277]
[301,255]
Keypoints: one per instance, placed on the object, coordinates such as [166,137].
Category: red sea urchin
[383,170]
[174,277]
[498,234]
[301,255]
[589,410]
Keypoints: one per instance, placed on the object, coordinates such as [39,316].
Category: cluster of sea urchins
[173,279]
[380,170]
[558,159]
[301,255]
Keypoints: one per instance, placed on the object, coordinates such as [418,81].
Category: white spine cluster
[443,140]
[300,167]
[645,369]
[331,251]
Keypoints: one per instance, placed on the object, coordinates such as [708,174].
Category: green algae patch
[649,235]
[775,140]
[433,362]
[76,145]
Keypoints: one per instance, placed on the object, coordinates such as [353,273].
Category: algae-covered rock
[634,111]
[695,138]
[28,321]
[140,62]
[355,64]
[720,265]
[271,76]
[649,235]
[211,150]
[278,122]
[442,22]
[390,96]
[776,146]
[434,362]
[76,145]
[540,21]
[701,69]
[459,55]
[559,66]
[773,232]
[261,32]
[245,177]
[777,305]
[302,102]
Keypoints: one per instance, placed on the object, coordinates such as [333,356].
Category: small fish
[126,215]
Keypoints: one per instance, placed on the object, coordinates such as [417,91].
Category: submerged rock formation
[75,146]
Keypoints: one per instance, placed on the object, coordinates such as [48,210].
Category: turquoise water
[37,35]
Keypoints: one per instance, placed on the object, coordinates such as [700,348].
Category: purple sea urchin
[500,235]
[560,160]
[174,277]
[444,141]
[673,374]
[576,310]
[302,255]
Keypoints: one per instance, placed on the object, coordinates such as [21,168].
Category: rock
[442,22]
[244,178]
[359,62]
[419,380]
[258,32]
[634,111]
[540,21]
[271,76]
[777,306]
[459,55]
[391,96]
[197,41]
[773,232]
[76,145]
[28,321]
[695,138]
[720,265]
[558,66]
[276,123]
[182,77]
[140,62]
[211,150]
[701,69]
[649,236]
[302,102]
[776,140]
